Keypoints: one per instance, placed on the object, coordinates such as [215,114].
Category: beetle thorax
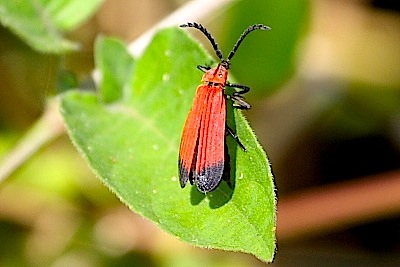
[217,75]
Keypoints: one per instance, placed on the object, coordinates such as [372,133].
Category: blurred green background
[326,107]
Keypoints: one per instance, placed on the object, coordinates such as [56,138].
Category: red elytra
[203,156]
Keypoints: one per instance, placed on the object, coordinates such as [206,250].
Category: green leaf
[132,145]
[116,67]
[68,14]
[41,23]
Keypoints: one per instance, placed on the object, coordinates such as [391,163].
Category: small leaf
[116,66]
[68,14]
[132,144]
[41,23]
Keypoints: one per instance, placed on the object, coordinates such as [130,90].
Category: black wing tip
[207,188]
[207,180]
[183,174]
[183,181]
[210,177]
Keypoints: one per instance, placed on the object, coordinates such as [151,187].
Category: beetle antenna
[207,34]
[244,34]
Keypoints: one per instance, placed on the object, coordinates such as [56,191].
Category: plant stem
[49,126]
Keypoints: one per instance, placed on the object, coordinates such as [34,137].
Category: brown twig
[339,206]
